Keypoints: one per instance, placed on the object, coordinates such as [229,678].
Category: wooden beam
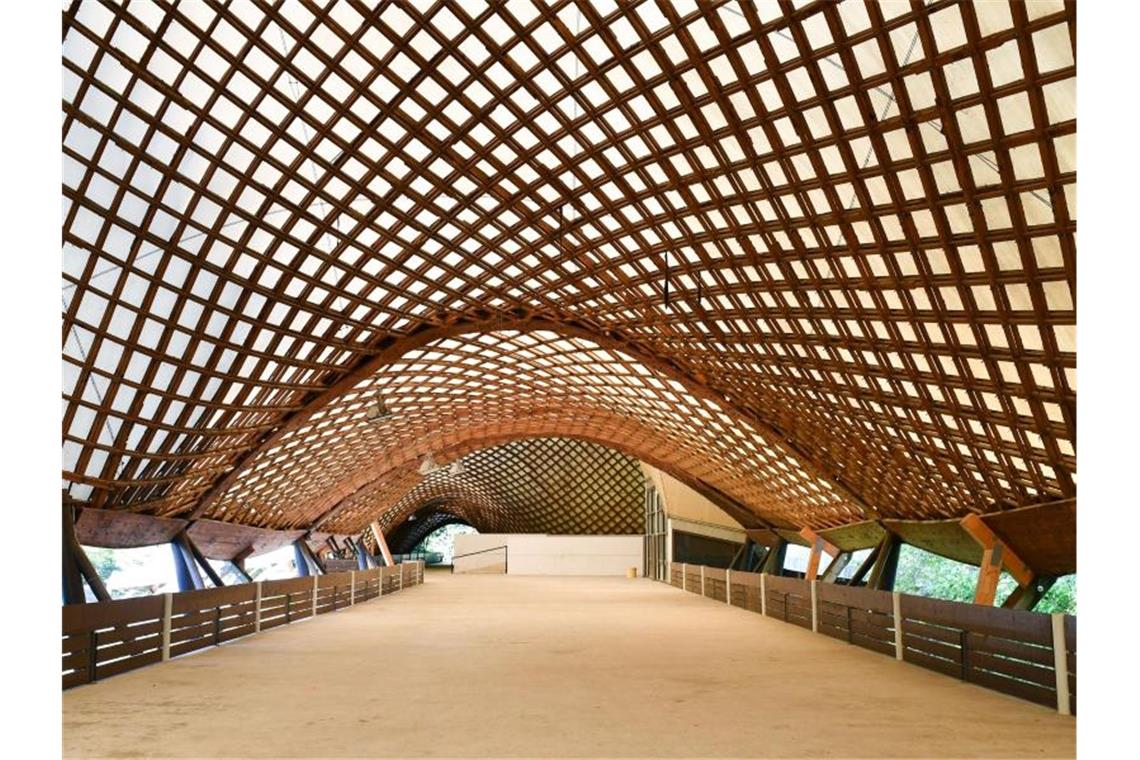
[379,536]
[774,559]
[1027,597]
[74,554]
[199,558]
[836,567]
[995,555]
[819,545]
[988,576]
[868,563]
[72,577]
[240,558]
[886,563]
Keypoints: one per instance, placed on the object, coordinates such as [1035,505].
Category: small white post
[316,579]
[1061,663]
[167,611]
[684,576]
[702,580]
[896,603]
[763,596]
[728,586]
[815,606]
[351,588]
[257,607]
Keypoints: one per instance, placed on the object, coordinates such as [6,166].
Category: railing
[506,556]
[102,639]
[1030,655]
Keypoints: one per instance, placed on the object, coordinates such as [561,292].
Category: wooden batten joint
[819,546]
[996,553]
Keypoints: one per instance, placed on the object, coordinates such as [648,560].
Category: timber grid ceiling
[815,258]
[536,485]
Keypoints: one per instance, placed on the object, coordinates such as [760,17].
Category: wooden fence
[102,639]
[1025,654]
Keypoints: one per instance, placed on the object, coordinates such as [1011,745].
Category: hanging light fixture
[428,466]
[378,410]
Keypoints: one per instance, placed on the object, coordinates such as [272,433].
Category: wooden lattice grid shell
[820,258]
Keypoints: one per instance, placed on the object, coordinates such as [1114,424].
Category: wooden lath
[866,213]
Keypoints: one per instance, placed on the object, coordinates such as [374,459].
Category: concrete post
[315,581]
[763,596]
[896,603]
[815,606]
[167,611]
[684,576]
[351,588]
[728,586]
[1061,663]
[257,607]
[702,580]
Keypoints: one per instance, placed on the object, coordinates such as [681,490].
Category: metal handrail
[506,556]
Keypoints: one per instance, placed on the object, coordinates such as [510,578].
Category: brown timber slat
[109,669]
[859,598]
[1020,625]
[85,617]
[193,601]
[1023,671]
[921,658]
[1029,691]
[931,646]
[1009,648]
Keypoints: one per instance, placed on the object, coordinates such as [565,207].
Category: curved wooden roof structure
[817,260]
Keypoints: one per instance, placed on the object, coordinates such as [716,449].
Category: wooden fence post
[315,579]
[763,596]
[896,603]
[728,586]
[167,613]
[257,607]
[815,606]
[702,580]
[684,576]
[1061,663]
[351,587]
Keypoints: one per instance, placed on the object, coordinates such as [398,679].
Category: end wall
[544,554]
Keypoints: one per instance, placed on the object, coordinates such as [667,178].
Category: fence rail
[1025,654]
[102,639]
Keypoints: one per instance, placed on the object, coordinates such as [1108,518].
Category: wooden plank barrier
[333,591]
[859,616]
[715,584]
[789,599]
[105,638]
[102,639]
[209,617]
[1016,652]
[285,601]
[746,590]
[693,578]
[1010,651]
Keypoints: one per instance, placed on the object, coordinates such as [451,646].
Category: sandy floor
[575,667]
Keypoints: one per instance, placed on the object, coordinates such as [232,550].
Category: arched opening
[438,547]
